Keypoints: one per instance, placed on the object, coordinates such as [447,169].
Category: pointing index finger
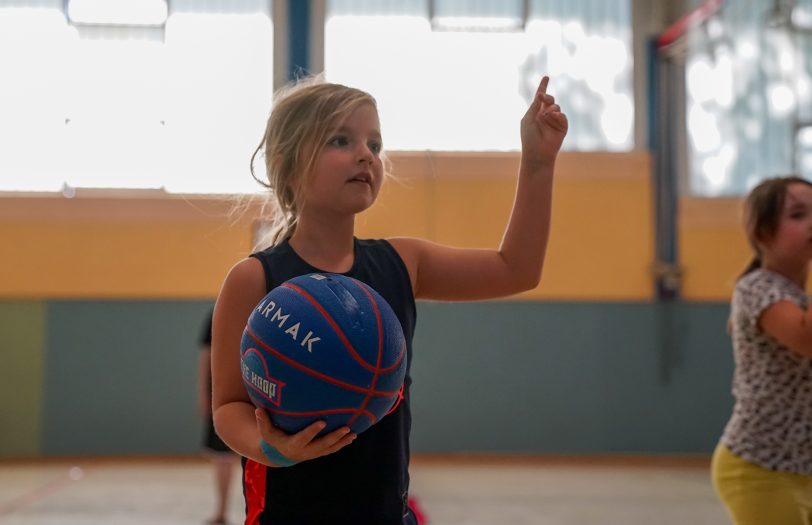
[545,80]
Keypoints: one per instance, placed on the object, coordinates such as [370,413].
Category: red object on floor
[418,511]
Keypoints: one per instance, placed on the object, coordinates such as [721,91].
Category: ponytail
[755,264]
[280,227]
[283,230]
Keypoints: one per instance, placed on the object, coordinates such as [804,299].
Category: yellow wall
[117,248]
[153,246]
[712,246]
[601,244]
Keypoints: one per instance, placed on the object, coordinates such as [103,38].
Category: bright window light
[477,15]
[114,114]
[747,87]
[471,23]
[703,129]
[617,119]
[118,12]
[32,97]
[781,97]
[717,169]
[698,75]
[467,91]
[220,90]
[804,145]
[802,15]
[180,108]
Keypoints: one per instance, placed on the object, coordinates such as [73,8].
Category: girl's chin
[355,208]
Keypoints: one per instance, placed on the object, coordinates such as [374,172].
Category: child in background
[324,165]
[762,467]
[222,458]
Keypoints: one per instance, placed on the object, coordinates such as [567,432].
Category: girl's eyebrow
[344,129]
[792,200]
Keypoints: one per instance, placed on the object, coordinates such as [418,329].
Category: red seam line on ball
[379,325]
[323,377]
[370,415]
[397,401]
[337,330]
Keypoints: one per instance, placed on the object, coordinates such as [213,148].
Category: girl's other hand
[303,445]
[543,128]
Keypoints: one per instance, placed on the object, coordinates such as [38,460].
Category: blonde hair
[303,116]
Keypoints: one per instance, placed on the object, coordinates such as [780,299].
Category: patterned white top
[771,425]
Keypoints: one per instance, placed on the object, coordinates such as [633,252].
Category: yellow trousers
[757,496]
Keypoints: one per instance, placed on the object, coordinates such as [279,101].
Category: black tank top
[367,481]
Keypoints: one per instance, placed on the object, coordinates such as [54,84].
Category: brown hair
[303,115]
[762,213]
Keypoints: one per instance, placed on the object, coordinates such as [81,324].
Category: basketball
[323,347]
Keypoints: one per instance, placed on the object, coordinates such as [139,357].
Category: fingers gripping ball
[323,347]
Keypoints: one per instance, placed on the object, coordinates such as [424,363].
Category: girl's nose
[365,154]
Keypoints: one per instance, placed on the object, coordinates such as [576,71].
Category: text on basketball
[270,311]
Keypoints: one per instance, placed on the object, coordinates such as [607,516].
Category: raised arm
[441,272]
[791,326]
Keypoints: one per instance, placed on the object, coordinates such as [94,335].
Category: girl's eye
[798,212]
[375,147]
[338,141]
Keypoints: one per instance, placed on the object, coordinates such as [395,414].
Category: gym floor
[451,491]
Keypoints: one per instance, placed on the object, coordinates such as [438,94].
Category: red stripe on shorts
[254,486]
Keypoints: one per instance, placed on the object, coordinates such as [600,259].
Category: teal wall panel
[120,377]
[22,328]
[515,377]
[570,378]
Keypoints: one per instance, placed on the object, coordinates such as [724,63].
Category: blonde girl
[323,158]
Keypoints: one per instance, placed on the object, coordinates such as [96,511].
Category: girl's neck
[795,272]
[325,244]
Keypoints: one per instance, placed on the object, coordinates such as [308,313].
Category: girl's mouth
[364,177]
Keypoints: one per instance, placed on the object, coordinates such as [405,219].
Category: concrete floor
[452,491]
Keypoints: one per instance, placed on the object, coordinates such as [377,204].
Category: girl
[323,156]
[762,467]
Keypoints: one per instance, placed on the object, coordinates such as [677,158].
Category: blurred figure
[221,456]
[762,466]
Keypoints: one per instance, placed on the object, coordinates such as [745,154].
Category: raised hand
[543,128]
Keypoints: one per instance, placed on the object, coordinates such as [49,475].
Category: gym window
[749,96]
[458,75]
[139,102]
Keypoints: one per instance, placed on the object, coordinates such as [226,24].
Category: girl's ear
[763,241]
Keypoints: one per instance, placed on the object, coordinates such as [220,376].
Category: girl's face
[349,171]
[792,241]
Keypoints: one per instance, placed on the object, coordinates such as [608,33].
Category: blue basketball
[323,347]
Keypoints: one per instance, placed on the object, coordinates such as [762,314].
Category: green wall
[119,377]
[22,327]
